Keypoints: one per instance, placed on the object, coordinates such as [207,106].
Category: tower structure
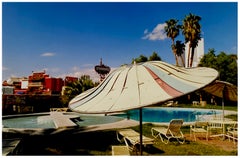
[102,70]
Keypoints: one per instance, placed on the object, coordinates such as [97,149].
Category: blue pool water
[29,122]
[153,114]
[45,121]
[162,115]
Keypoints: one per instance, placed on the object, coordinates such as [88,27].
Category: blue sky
[70,38]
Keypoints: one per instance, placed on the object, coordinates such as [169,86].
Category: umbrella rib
[124,84]
[139,100]
[100,89]
[111,87]
[125,81]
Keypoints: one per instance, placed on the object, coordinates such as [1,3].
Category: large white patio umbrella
[139,85]
[224,90]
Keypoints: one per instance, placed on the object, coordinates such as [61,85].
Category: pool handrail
[202,116]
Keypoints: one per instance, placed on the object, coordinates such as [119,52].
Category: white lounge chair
[173,131]
[132,139]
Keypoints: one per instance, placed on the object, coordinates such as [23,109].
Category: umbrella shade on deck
[139,85]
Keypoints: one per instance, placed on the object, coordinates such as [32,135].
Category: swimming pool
[164,115]
[151,114]
[44,121]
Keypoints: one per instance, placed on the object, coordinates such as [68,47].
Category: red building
[69,79]
[40,82]
[53,84]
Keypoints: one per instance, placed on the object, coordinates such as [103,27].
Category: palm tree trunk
[182,61]
[176,59]
[174,52]
[188,56]
[192,55]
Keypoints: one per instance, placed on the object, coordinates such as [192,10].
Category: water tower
[102,70]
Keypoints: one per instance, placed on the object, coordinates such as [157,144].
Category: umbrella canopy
[223,89]
[139,85]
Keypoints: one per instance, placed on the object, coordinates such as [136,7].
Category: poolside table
[223,123]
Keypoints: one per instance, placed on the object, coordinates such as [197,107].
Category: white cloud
[145,31]
[157,33]
[48,54]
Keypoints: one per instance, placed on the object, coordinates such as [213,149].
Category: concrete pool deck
[61,120]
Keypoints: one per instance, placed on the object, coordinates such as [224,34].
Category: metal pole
[140,126]
[223,100]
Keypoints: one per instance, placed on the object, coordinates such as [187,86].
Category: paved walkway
[115,125]
[10,146]
[61,120]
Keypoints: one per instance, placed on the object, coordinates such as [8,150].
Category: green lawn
[100,143]
[210,106]
[188,148]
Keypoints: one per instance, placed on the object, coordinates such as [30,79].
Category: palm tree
[86,82]
[77,87]
[172,29]
[191,30]
[73,89]
[179,48]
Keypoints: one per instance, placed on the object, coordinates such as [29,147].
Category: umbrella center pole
[140,127]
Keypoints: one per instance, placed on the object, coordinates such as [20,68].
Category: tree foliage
[143,58]
[179,49]
[154,57]
[77,87]
[225,64]
[172,29]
